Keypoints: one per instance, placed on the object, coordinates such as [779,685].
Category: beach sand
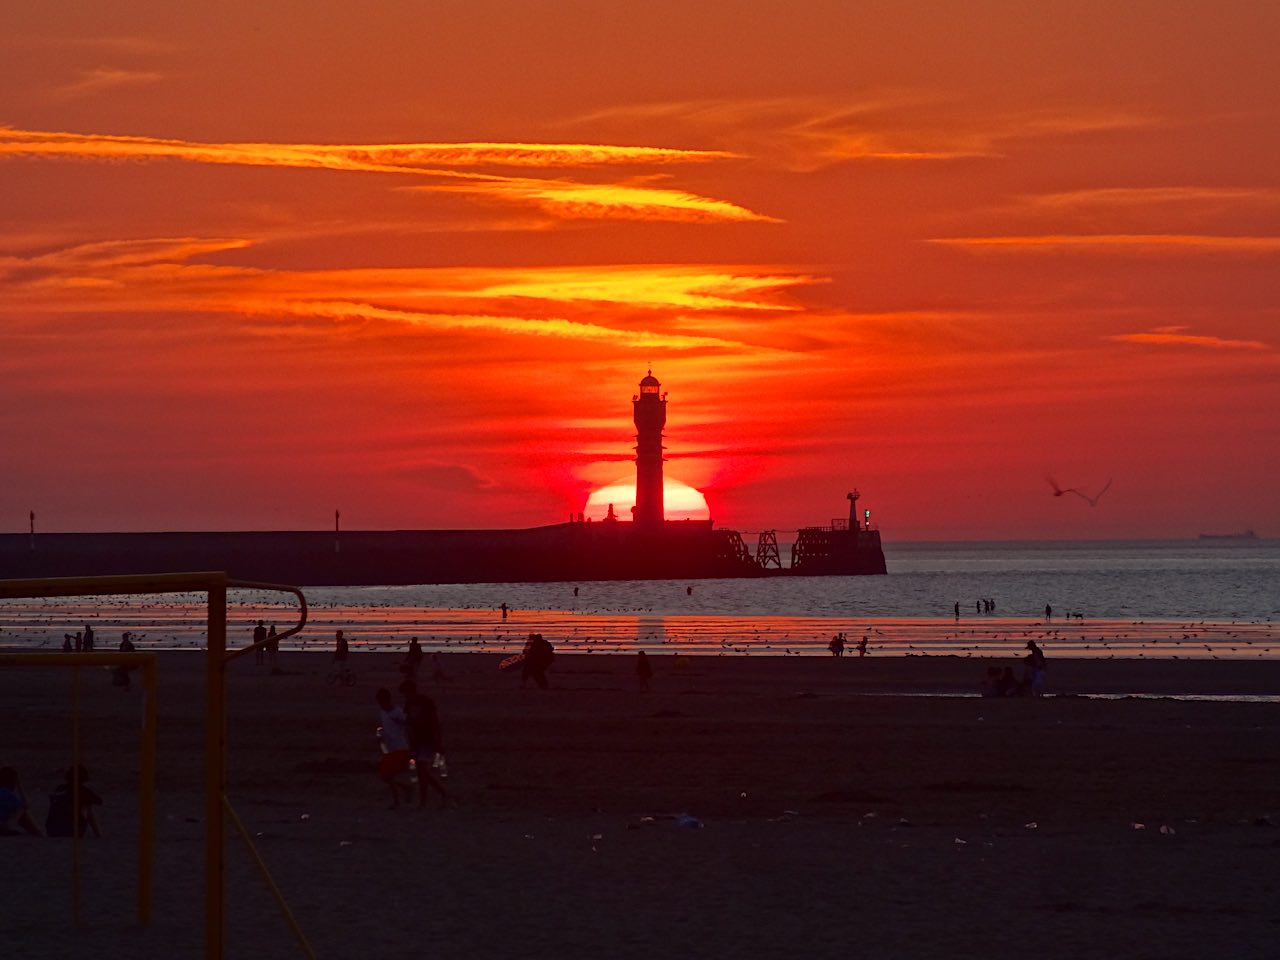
[842,813]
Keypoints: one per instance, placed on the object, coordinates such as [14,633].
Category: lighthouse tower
[650,414]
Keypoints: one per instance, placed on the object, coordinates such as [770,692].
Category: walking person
[412,660]
[259,643]
[425,742]
[120,674]
[393,728]
[644,671]
[1036,666]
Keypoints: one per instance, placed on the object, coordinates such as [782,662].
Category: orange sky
[410,260]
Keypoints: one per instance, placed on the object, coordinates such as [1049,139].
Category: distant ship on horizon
[1246,535]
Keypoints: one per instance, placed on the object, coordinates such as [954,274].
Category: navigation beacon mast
[650,414]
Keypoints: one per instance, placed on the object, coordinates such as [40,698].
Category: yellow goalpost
[217,807]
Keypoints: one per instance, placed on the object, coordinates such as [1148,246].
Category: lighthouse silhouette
[649,411]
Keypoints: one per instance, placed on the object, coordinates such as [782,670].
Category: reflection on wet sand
[179,622]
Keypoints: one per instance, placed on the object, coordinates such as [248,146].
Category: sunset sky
[410,259]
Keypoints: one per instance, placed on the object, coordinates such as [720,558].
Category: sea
[1186,599]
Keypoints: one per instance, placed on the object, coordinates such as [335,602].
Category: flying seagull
[1093,501]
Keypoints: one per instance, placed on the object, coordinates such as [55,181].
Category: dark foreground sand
[836,823]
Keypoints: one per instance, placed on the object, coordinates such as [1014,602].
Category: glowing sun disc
[680,501]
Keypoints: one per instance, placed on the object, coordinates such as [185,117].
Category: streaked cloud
[1118,242]
[552,327]
[1152,196]
[102,80]
[443,162]
[627,305]
[807,133]
[574,200]
[417,158]
[1175,336]
[683,287]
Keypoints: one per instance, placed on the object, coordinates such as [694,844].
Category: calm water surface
[1180,598]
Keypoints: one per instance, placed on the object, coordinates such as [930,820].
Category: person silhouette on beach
[120,674]
[862,647]
[991,686]
[340,648]
[1007,685]
[644,671]
[412,659]
[1036,667]
[538,654]
[259,643]
[957,610]
[66,643]
[1048,613]
[422,723]
[88,638]
[15,814]
[505,609]
[273,647]
[79,642]
[59,822]
[393,732]
[836,646]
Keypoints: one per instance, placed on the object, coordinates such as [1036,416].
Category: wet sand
[841,812]
[180,623]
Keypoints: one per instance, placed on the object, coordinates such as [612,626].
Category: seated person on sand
[61,814]
[1008,685]
[15,817]
[991,685]
[340,648]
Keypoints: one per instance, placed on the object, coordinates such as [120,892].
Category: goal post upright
[215,770]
